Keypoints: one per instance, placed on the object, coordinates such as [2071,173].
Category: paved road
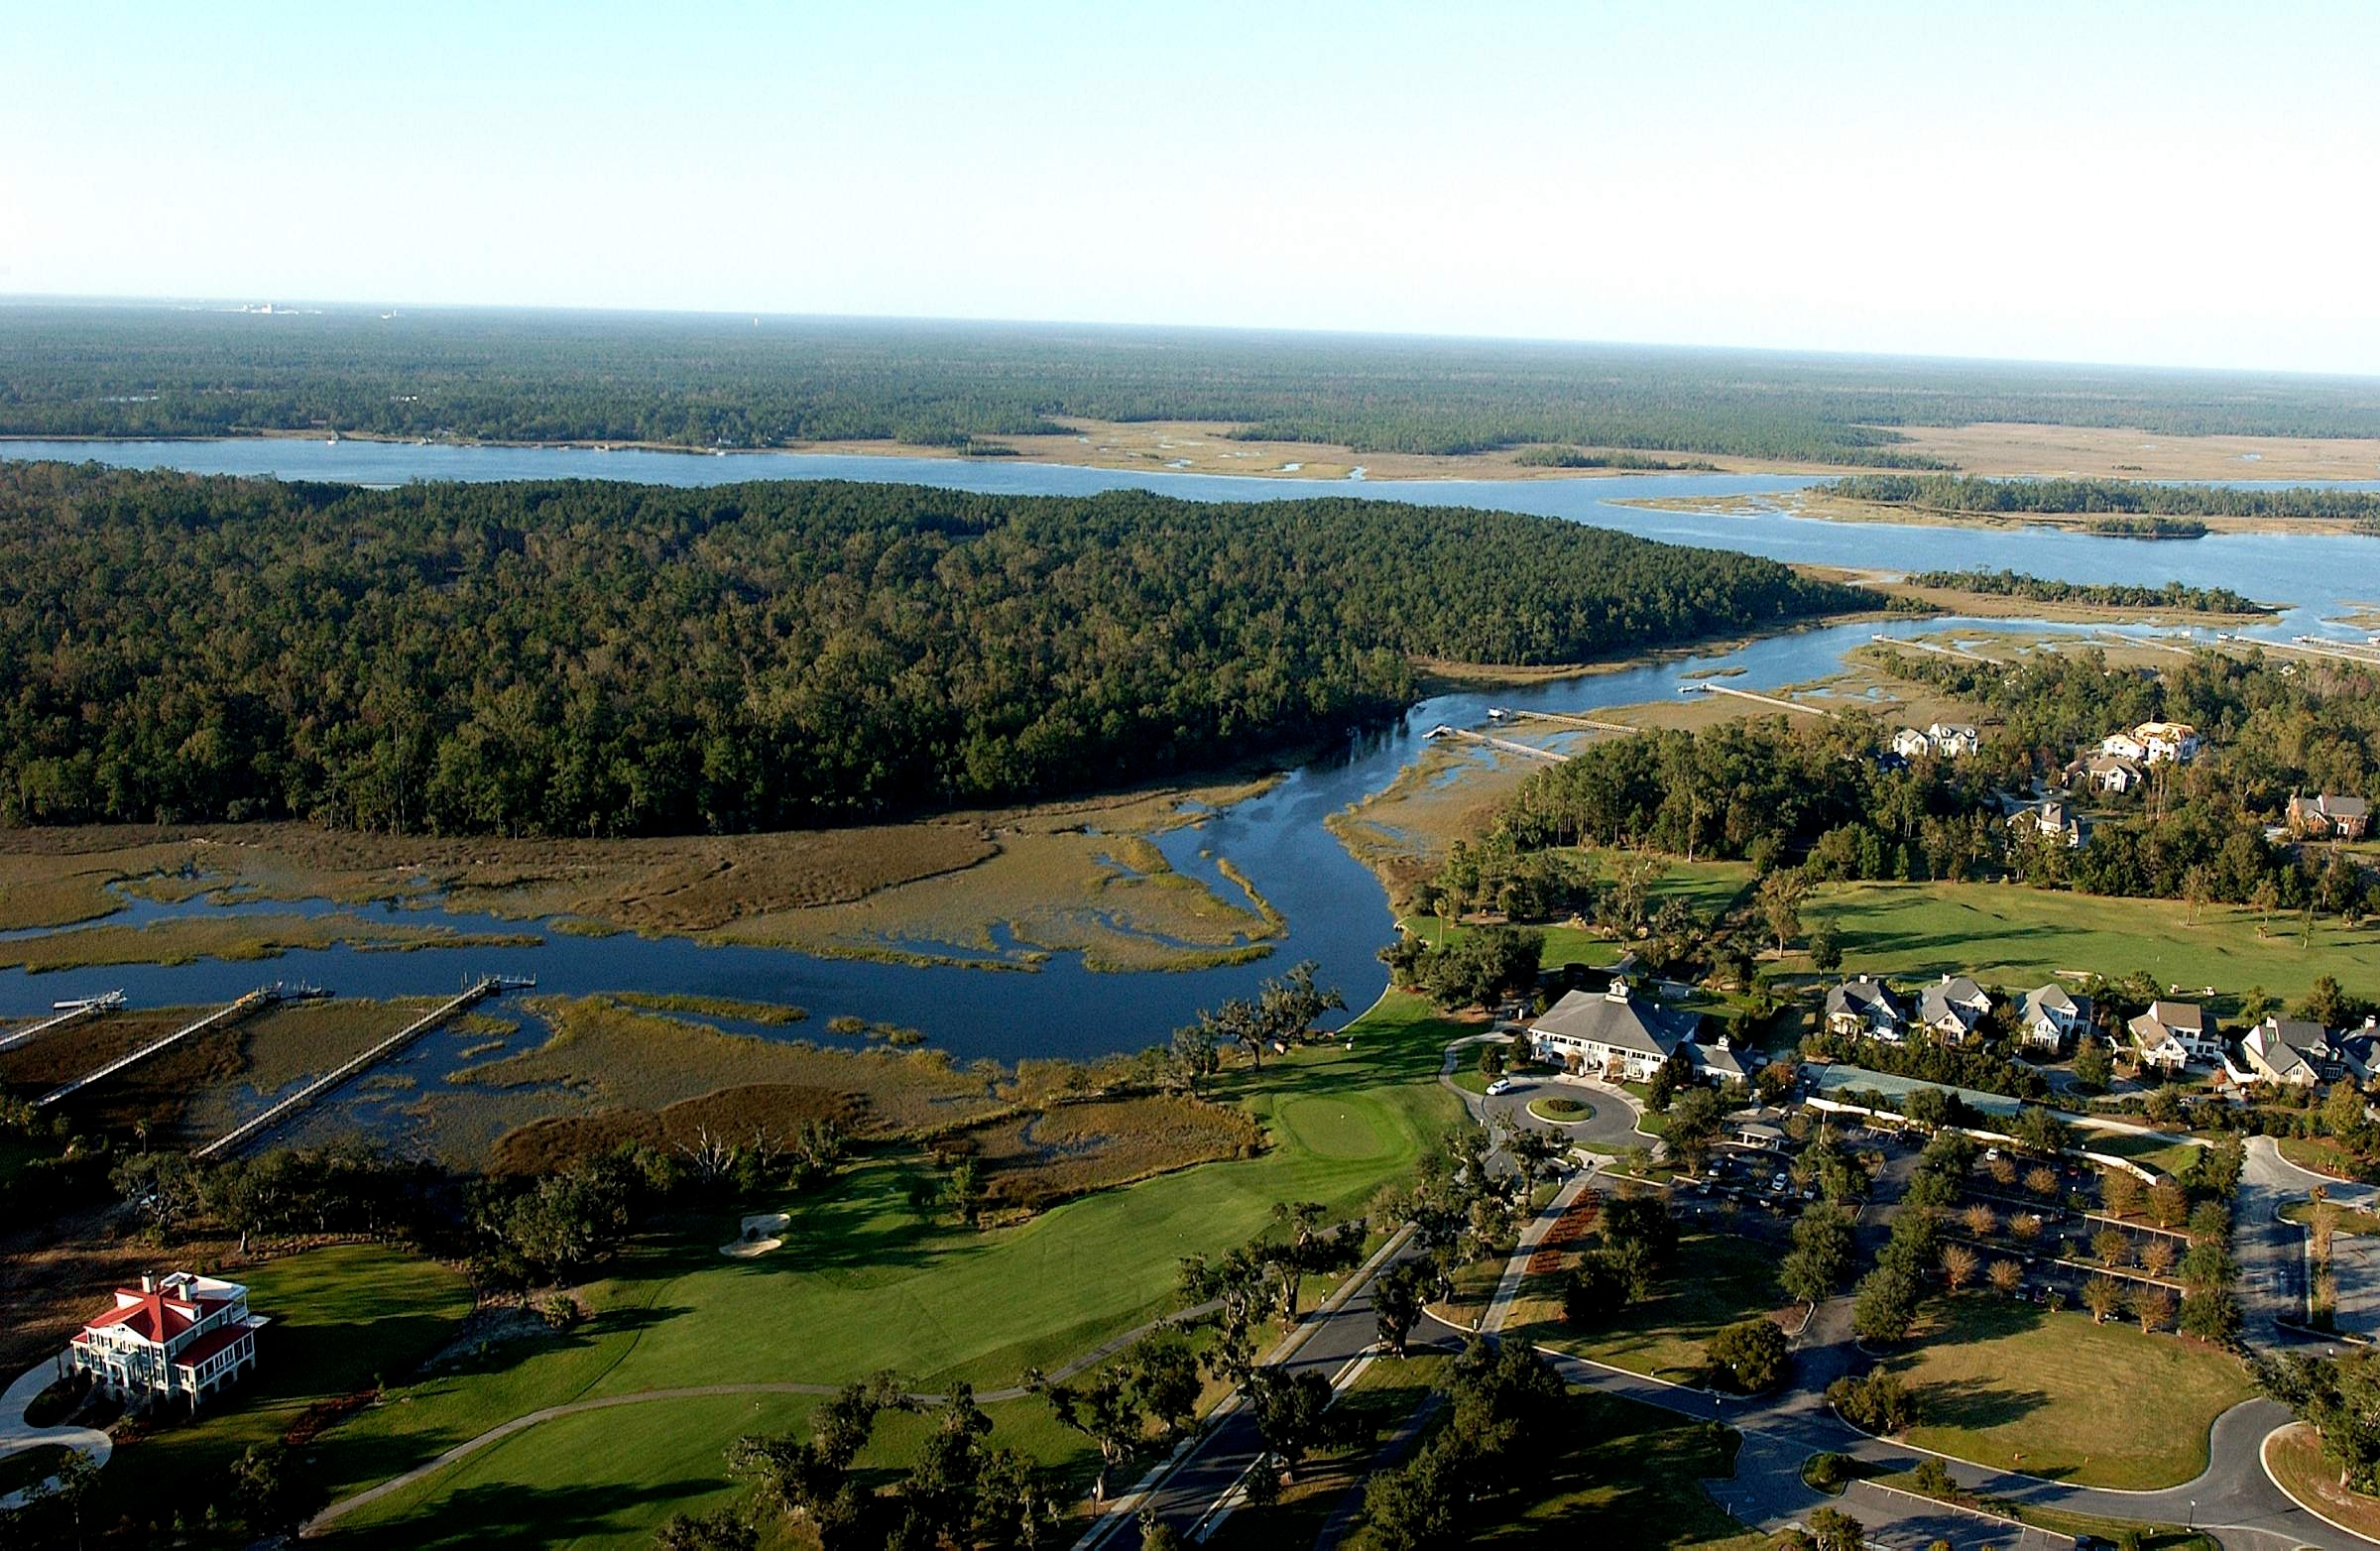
[16,1435]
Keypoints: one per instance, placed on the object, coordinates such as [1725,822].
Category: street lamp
[2192,1523]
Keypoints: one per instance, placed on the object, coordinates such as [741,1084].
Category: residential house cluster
[1950,1010]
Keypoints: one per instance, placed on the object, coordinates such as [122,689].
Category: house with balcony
[1614,1034]
[183,1337]
[2049,1015]
[2173,1034]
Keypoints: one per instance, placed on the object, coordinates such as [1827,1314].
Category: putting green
[1344,1129]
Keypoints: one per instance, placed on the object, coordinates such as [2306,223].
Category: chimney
[148,1281]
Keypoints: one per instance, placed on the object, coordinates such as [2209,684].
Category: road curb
[2265,1464]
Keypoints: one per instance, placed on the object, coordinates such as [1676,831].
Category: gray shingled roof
[1623,1025]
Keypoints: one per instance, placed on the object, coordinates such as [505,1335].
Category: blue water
[1336,912]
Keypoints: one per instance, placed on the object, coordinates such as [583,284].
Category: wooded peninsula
[590,657]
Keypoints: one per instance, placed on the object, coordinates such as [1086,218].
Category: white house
[1866,1009]
[1951,1007]
[2051,1016]
[183,1337]
[1614,1034]
[1953,739]
[2164,742]
[2171,1034]
[2124,746]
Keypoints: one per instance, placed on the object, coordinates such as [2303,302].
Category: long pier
[1566,718]
[1939,651]
[2362,657]
[1505,744]
[221,1018]
[249,1130]
[63,1013]
[1708,688]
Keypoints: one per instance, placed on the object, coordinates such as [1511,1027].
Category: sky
[2164,183]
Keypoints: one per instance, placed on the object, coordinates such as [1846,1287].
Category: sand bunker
[760,1235]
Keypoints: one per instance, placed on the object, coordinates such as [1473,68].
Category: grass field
[1707,888]
[864,1284]
[1717,1280]
[2015,1388]
[2021,937]
[2162,1154]
[344,1317]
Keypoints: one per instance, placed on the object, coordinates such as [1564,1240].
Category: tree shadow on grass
[1976,1404]
[510,1514]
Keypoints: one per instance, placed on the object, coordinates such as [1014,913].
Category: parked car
[1500,1084]
[1777,1184]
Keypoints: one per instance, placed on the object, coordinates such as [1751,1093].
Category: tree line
[2117,497]
[590,657]
[705,382]
[2174,595]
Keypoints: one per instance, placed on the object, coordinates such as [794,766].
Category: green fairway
[2021,937]
[864,1284]
[1717,1280]
[344,1317]
[2013,1386]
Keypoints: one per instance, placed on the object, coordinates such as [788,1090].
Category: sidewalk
[16,1437]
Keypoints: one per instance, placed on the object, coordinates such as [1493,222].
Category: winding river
[1336,912]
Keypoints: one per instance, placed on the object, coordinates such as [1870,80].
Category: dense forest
[2113,595]
[1769,789]
[709,381]
[2109,497]
[595,657]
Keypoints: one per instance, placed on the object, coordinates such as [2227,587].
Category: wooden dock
[248,1131]
[221,1018]
[1959,653]
[1758,699]
[63,1013]
[1504,744]
[1566,719]
[2343,652]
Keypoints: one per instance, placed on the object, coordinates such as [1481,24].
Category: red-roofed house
[183,1337]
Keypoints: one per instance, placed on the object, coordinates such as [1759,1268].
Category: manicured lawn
[2347,1220]
[2013,1386]
[864,1284]
[2020,937]
[2162,1154]
[2323,1156]
[1717,1280]
[343,1318]
[2295,1457]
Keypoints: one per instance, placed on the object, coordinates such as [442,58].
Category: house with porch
[2162,743]
[2049,1015]
[1866,1009]
[2173,1034]
[183,1337]
[1951,1007]
[2288,1051]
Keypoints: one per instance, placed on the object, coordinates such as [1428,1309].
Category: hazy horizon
[296,306]
[2164,186]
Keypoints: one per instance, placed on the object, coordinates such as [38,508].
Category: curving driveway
[1611,1128]
[16,1436]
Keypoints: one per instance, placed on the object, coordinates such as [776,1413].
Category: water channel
[1336,912]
